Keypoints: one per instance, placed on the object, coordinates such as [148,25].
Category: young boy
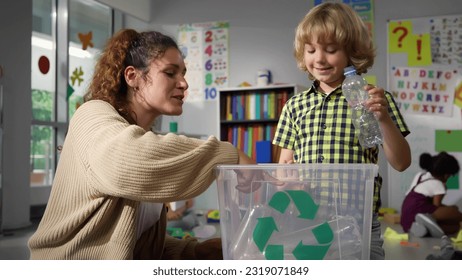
[315,126]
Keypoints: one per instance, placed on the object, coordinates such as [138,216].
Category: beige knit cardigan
[108,166]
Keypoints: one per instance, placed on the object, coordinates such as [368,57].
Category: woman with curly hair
[115,175]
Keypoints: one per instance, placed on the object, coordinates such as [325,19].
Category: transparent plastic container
[312,212]
[366,125]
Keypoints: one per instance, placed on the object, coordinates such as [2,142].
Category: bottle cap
[349,70]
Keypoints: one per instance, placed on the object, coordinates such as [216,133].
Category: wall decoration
[428,91]
[446,34]
[205,46]
[85,39]
[448,141]
[458,94]
[424,75]
[82,59]
[417,47]
[44,64]
[77,75]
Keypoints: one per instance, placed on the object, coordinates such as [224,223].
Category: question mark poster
[402,39]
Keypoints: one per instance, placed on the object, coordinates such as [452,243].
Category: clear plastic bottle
[366,125]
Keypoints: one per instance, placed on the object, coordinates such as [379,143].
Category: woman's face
[326,61]
[162,93]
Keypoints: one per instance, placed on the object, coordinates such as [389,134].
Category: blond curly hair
[340,24]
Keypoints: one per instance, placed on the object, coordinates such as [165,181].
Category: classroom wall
[15,85]
[395,9]
[261,36]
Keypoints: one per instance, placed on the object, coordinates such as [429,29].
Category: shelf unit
[248,115]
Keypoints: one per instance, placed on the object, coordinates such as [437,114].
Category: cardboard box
[392,218]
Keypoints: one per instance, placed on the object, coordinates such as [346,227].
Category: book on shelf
[249,117]
[255,106]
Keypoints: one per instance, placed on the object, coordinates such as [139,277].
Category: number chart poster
[205,46]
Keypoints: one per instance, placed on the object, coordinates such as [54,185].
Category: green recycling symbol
[307,208]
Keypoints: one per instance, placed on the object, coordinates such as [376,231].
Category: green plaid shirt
[318,128]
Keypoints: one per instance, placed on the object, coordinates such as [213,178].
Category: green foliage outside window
[42,109]
[74,102]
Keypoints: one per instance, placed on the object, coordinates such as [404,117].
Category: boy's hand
[377,102]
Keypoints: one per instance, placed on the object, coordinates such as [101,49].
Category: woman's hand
[286,173]
[250,180]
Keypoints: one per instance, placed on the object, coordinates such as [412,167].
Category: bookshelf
[248,117]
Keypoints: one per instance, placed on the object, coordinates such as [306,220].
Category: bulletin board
[424,74]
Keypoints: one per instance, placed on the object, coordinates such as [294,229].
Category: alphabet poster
[205,46]
[424,90]
[425,77]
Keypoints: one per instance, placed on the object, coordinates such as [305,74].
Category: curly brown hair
[341,24]
[440,164]
[126,48]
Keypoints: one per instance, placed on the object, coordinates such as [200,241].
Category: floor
[13,245]
[415,248]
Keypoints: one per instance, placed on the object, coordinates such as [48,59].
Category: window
[89,28]
[43,92]
[87,25]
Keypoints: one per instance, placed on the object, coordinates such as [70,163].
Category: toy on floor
[409,244]
[179,233]
[392,234]
[213,216]
[458,239]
